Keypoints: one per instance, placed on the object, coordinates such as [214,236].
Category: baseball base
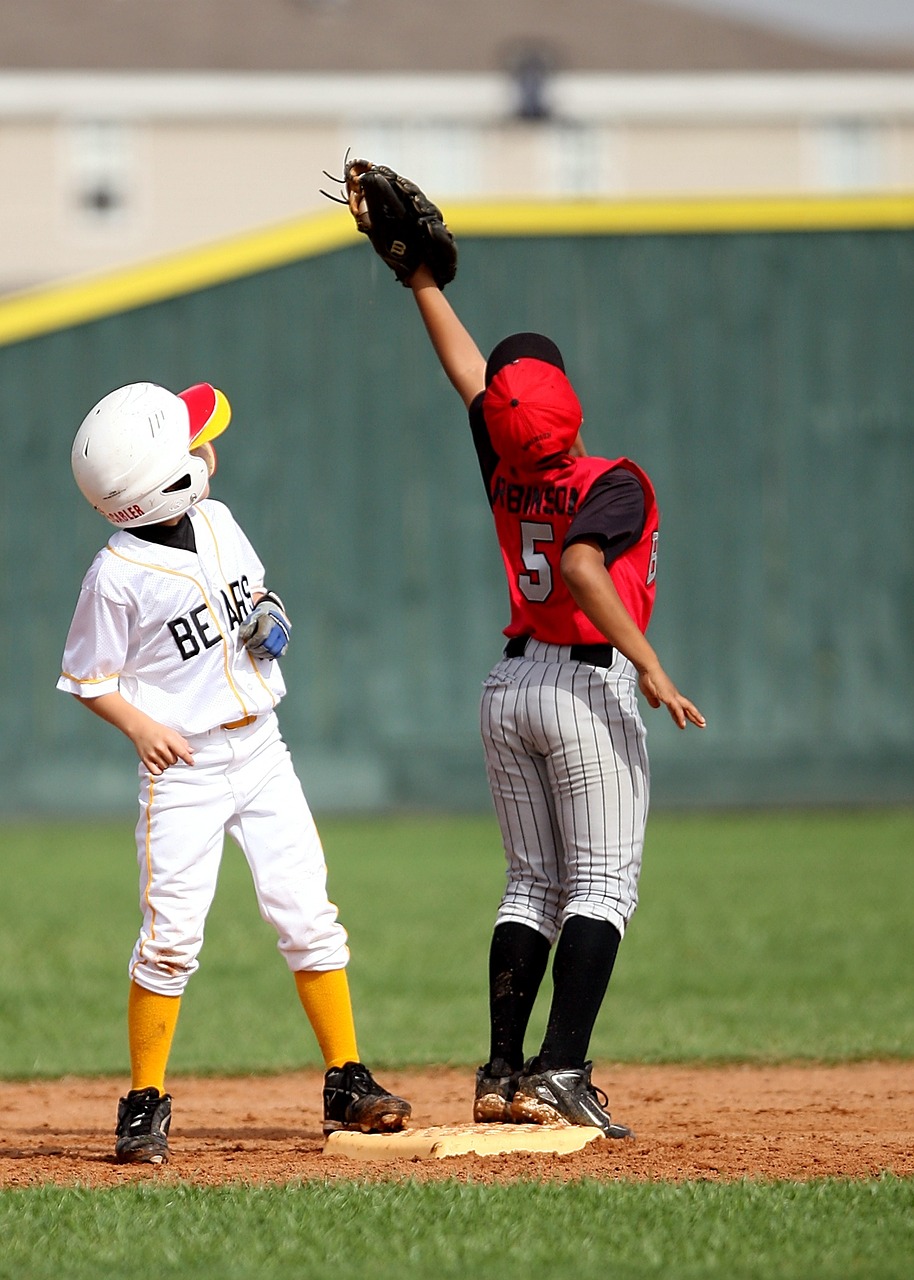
[459,1140]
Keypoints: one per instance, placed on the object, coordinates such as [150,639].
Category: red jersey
[533,514]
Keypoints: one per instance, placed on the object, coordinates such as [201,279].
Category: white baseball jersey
[160,626]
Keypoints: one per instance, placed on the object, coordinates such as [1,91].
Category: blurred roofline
[457,96]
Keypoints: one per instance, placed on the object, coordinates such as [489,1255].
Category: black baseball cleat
[495,1085]
[563,1096]
[353,1099]
[143,1118]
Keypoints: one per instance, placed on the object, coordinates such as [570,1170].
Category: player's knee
[618,914]
[325,950]
[515,911]
[164,969]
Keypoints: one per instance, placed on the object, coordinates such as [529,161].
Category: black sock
[518,956]
[584,957]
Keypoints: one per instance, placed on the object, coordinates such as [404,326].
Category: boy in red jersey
[563,736]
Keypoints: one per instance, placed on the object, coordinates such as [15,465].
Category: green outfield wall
[756,358]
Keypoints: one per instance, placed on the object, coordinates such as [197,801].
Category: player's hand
[659,690]
[265,631]
[159,747]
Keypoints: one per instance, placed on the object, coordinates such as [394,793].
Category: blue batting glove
[265,631]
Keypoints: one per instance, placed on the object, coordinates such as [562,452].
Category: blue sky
[845,20]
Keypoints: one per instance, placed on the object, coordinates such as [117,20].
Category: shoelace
[359,1080]
[598,1095]
[142,1112]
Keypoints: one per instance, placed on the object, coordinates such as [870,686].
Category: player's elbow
[581,567]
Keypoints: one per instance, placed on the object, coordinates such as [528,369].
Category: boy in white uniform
[173,641]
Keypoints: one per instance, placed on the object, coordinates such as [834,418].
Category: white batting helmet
[133,454]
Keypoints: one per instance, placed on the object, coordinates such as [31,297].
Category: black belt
[598,655]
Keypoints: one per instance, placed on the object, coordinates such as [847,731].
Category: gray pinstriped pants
[568,770]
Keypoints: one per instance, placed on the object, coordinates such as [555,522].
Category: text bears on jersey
[199,630]
[528,499]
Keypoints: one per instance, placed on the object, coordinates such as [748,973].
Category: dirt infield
[796,1122]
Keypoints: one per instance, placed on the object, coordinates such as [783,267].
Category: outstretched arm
[594,592]
[460,357]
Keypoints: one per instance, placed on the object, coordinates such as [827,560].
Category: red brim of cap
[209,411]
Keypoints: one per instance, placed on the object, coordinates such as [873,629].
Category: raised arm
[460,357]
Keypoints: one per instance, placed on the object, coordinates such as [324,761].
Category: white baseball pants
[242,783]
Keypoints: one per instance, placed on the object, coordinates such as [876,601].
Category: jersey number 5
[536,585]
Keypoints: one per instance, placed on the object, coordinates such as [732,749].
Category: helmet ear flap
[185,486]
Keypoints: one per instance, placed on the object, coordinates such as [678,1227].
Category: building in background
[129,130]
[763,377]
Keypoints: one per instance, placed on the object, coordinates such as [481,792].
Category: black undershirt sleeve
[612,514]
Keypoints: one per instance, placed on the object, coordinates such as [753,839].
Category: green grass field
[760,937]
[346,1231]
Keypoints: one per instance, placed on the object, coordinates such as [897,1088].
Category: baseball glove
[405,229]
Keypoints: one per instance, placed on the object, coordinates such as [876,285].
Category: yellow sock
[151,1022]
[325,999]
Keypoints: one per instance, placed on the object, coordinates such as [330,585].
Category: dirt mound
[796,1122]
